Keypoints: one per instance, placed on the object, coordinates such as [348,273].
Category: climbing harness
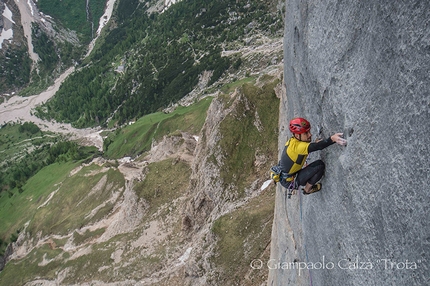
[278,176]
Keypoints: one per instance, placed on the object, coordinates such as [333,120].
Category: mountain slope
[157,205]
[145,61]
[36,48]
[161,218]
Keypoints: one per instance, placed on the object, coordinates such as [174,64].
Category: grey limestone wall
[362,68]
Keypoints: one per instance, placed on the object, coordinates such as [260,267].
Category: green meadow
[20,208]
[137,138]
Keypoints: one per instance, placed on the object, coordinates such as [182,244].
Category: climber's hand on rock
[338,139]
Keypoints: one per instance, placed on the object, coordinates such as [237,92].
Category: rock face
[362,68]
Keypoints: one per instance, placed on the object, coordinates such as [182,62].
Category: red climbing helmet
[299,125]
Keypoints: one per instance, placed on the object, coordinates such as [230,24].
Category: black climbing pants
[311,174]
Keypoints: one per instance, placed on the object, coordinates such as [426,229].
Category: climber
[296,151]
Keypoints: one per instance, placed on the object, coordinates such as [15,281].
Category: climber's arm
[336,138]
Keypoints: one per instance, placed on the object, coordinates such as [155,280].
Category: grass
[21,272]
[65,211]
[25,150]
[67,208]
[81,238]
[25,270]
[229,87]
[242,236]
[87,266]
[75,199]
[164,182]
[137,138]
[15,211]
[13,142]
[251,129]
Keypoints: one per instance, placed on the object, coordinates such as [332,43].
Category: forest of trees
[75,16]
[16,173]
[164,54]
[56,53]
[29,127]
[15,66]
[17,169]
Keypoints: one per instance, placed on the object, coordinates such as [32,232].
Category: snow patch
[7,13]
[184,256]
[30,5]
[7,32]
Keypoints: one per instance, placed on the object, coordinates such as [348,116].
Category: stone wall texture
[362,68]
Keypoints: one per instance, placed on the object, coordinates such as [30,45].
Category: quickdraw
[292,188]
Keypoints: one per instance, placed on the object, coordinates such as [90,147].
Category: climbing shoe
[315,188]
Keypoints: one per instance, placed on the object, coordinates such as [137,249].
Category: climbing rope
[304,243]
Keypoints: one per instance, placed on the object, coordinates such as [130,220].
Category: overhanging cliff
[362,68]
